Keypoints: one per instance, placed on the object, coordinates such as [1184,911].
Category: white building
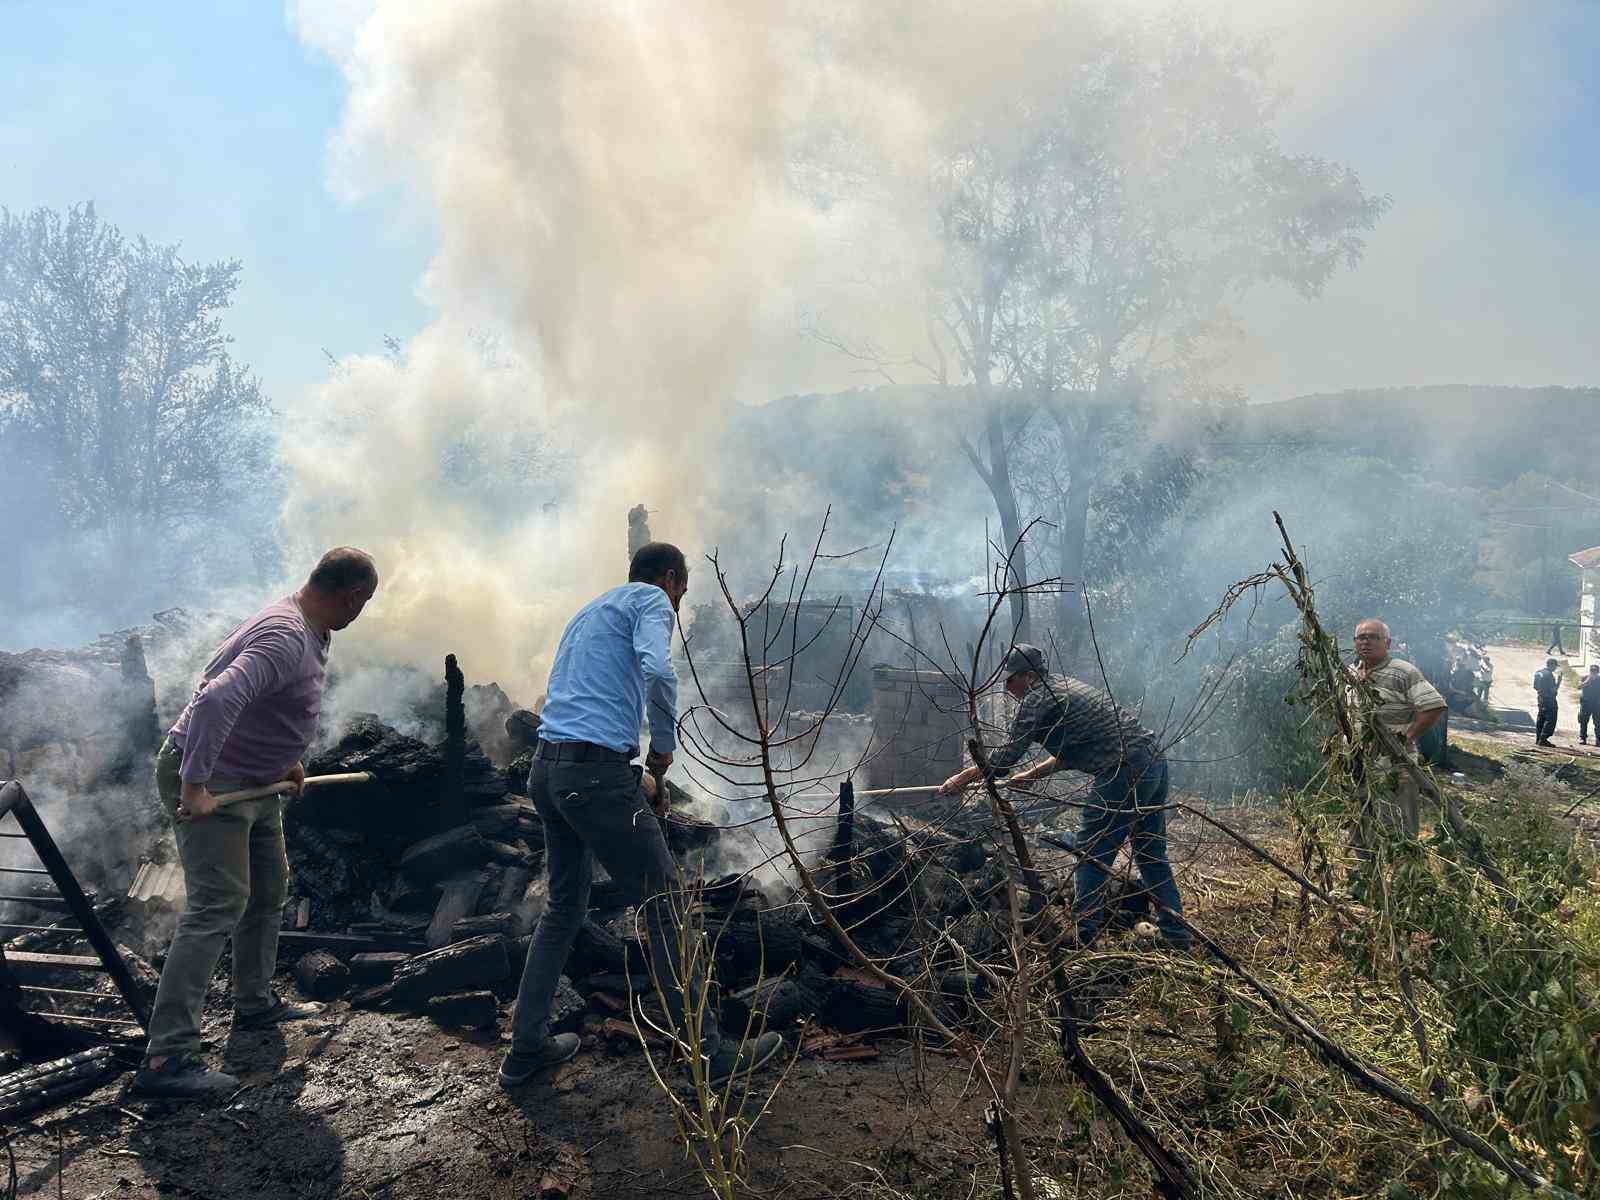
[1588,561]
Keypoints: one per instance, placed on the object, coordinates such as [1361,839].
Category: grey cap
[1022,657]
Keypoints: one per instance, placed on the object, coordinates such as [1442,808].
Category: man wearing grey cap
[1084,729]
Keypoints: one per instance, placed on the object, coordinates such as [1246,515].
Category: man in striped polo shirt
[1084,729]
[1406,703]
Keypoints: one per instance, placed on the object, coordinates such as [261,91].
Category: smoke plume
[642,203]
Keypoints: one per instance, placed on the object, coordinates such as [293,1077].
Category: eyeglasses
[1369,637]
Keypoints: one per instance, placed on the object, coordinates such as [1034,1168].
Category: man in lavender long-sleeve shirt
[251,719]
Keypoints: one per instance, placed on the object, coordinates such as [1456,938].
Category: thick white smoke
[646,203]
[609,189]
[640,200]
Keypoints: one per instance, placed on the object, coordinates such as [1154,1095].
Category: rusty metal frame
[14,802]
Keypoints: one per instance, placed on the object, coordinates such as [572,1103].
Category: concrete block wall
[726,688]
[919,728]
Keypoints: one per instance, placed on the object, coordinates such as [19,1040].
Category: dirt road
[1512,696]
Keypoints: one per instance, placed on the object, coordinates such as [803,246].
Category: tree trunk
[1081,438]
[1071,542]
[453,805]
[998,478]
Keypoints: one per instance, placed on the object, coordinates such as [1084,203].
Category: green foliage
[1389,545]
[1096,229]
[1521,994]
[1130,518]
[116,377]
[1535,523]
[1257,733]
[1520,991]
[135,446]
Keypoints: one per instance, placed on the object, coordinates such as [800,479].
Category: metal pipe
[24,870]
[40,901]
[82,908]
[32,987]
[54,962]
[41,928]
[122,1021]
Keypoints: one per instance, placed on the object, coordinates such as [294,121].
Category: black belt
[577,752]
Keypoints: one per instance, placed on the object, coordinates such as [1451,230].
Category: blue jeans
[1126,803]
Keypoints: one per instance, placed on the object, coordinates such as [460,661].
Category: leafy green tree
[1096,235]
[1531,526]
[127,424]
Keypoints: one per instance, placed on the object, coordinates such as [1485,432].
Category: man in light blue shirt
[612,672]
[614,662]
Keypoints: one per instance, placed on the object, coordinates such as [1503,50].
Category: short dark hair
[654,559]
[343,567]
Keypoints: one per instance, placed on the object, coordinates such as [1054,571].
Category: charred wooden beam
[298,941]
[33,1089]
[452,800]
[464,966]
[502,923]
[446,853]
[377,966]
[460,900]
[321,975]
[464,1010]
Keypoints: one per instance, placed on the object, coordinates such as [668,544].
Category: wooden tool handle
[284,785]
[925,790]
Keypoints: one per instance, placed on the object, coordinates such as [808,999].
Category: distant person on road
[1547,686]
[1555,646]
[1084,729]
[1463,686]
[1589,706]
[613,671]
[250,722]
[1406,703]
[1485,676]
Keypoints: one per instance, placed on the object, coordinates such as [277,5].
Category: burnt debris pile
[418,889]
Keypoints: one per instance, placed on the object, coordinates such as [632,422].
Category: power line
[1564,487]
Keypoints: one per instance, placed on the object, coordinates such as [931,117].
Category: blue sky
[206,124]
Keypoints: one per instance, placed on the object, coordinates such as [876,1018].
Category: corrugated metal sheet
[159,885]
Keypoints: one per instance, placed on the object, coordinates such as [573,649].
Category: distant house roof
[1587,560]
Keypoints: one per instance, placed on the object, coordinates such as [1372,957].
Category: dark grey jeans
[596,810]
[1544,727]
